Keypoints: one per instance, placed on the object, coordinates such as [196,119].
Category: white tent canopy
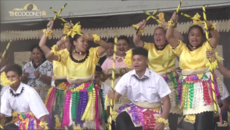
[98,8]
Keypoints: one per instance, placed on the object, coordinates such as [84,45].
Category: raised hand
[175,17]
[88,37]
[142,24]
[50,25]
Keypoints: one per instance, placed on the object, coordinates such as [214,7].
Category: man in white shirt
[146,90]
[24,100]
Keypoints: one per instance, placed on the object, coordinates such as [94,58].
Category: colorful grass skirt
[142,116]
[76,105]
[172,81]
[195,93]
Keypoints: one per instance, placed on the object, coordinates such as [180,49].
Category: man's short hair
[16,68]
[98,68]
[140,51]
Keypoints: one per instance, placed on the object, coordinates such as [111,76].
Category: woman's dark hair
[201,31]
[15,68]
[38,47]
[140,51]
[76,36]
[123,38]
[110,40]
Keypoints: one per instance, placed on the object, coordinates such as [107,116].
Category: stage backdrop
[24,35]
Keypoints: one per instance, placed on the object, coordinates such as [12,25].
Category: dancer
[83,106]
[30,113]
[195,91]
[146,90]
[59,79]
[162,60]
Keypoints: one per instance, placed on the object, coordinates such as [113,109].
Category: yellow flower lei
[48,33]
[161,120]
[5,81]
[128,58]
[44,125]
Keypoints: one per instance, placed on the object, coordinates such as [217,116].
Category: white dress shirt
[150,88]
[28,100]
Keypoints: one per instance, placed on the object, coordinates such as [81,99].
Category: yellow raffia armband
[5,81]
[140,32]
[53,50]
[48,33]
[190,118]
[213,27]
[213,65]
[44,125]
[170,23]
[162,120]
[96,38]
[128,58]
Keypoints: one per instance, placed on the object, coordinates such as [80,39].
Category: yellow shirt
[77,70]
[160,60]
[58,68]
[191,60]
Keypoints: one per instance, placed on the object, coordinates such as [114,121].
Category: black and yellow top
[160,60]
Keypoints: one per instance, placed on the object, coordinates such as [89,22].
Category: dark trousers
[173,120]
[204,121]
[124,122]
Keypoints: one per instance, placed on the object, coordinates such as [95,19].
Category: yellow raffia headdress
[75,30]
[5,81]
[196,19]
[128,58]
[161,17]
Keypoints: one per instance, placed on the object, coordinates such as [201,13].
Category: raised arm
[215,35]
[170,33]
[43,41]
[137,37]
[103,45]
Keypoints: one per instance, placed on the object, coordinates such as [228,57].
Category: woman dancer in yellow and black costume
[162,60]
[59,81]
[83,102]
[195,89]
